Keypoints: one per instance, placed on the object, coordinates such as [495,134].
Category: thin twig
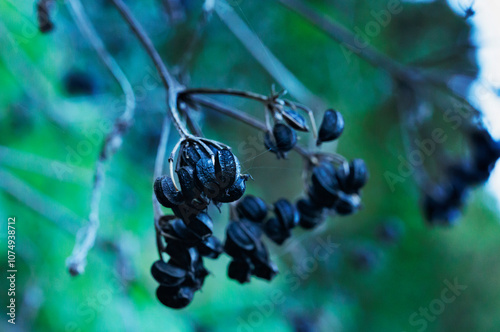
[228,92]
[159,162]
[240,116]
[171,85]
[86,236]
[401,72]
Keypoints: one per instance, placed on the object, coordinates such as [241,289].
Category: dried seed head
[182,234]
[331,127]
[252,208]
[239,241]
[175,298]
[235,192]
[201,225]
[211,248]
[295,120]
[276,231]
[166,193]
[227,168]
[265,271]
[358,175]
[187,183]
[240,270]
[347,204]
[182,256]
[311,215]
[284,137]
[167,274]
[286,213]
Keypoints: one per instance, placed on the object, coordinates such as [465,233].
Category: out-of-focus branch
[171,85]
[240,116]
[175,10]
[86,236]
[193,46]
[400,72]
[266,58]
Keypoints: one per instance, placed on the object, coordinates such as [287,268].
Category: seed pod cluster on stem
[204,171]
[443,201]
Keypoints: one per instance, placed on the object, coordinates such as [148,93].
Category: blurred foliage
[367,284]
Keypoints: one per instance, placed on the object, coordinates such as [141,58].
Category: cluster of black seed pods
[244,242]
[442,203]
[208,172]
[186,245]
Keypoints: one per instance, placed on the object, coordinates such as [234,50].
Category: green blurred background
[366,283]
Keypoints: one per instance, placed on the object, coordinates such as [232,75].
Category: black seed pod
[239,240]
[485,149]
[235,192]
[311,215]
[276,231]
[441,205]
[175,298]
[191,155]
[182,256]
[271,146]
[78,82]
[252,208]
[285,138]
[211,248]
[263,267]
[201,225]
[467,173]
[43,15]
[166,193]
[286,213]
[331,127]
[240,270]
[265,271]
[227,168]
[205,177]
[186,180]
[189,210]
[167,274]
[358,175]
[295,120]
[347,204]
[182,234]
[323,191]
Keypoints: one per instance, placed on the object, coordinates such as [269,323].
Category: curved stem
[171,85]
[87,235]
[240,116]
[227,92]
[160,159]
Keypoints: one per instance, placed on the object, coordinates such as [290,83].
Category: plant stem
[240,116]
[87,235]
[171,85]
[228,92]
[160,160]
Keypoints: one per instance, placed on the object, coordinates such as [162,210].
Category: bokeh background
[387,265]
